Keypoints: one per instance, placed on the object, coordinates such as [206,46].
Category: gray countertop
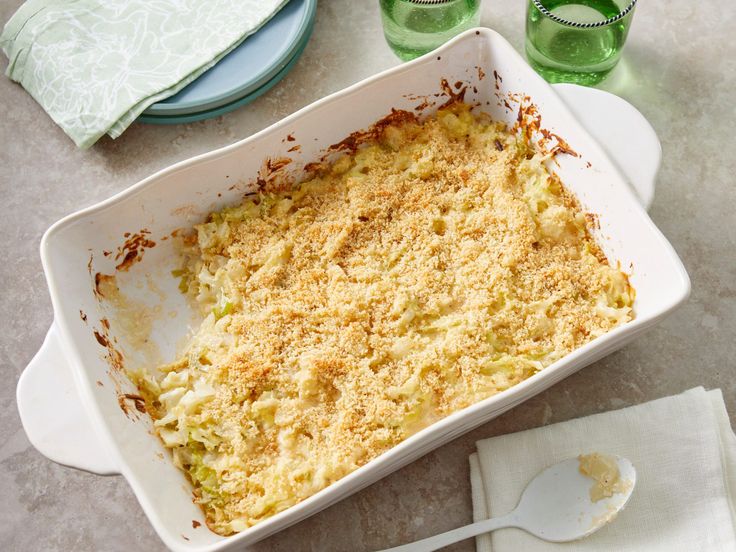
[679,69]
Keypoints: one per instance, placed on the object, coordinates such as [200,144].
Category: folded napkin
[95,65]
[684,452]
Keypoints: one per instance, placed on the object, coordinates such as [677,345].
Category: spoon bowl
[556,506]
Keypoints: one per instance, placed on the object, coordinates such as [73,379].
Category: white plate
[91,432]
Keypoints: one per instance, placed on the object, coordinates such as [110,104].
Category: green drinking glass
[415,27]
[578,41]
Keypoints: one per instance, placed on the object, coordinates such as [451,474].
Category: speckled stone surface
[679,70]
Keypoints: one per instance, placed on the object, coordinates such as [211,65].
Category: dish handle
[622,131]
[53,414]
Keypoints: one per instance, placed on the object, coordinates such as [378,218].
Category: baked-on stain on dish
[101,339]
[529,122]
[352,142]
[105,288]
[453,96]
[132,249]
[115,361]
[272,176]
[272,173]
[138,402]
[425,103]
[102,282]
[498,79]
[275,165]
[130,319]
[114,357]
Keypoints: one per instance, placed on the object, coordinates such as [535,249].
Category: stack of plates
[248,71]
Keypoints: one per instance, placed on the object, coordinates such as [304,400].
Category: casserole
[84,245]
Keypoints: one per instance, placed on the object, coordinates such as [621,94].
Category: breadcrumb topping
[438,266]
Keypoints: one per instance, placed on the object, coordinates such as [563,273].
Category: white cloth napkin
[684,452]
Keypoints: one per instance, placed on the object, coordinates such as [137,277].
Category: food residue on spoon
[603,469]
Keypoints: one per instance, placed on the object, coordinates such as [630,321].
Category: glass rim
[557,19]
[429,2]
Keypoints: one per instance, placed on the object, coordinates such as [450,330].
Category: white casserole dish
[81,424]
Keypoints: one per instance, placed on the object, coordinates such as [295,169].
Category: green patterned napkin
[95,65]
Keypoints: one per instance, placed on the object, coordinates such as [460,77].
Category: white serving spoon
[555,506]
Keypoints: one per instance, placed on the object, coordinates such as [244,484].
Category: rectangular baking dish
[96,413]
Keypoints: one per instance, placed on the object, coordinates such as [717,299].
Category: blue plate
[248,67]
[202,115]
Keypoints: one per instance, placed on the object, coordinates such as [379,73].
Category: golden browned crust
[418,276]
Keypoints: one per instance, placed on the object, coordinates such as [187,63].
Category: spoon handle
[461,533]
